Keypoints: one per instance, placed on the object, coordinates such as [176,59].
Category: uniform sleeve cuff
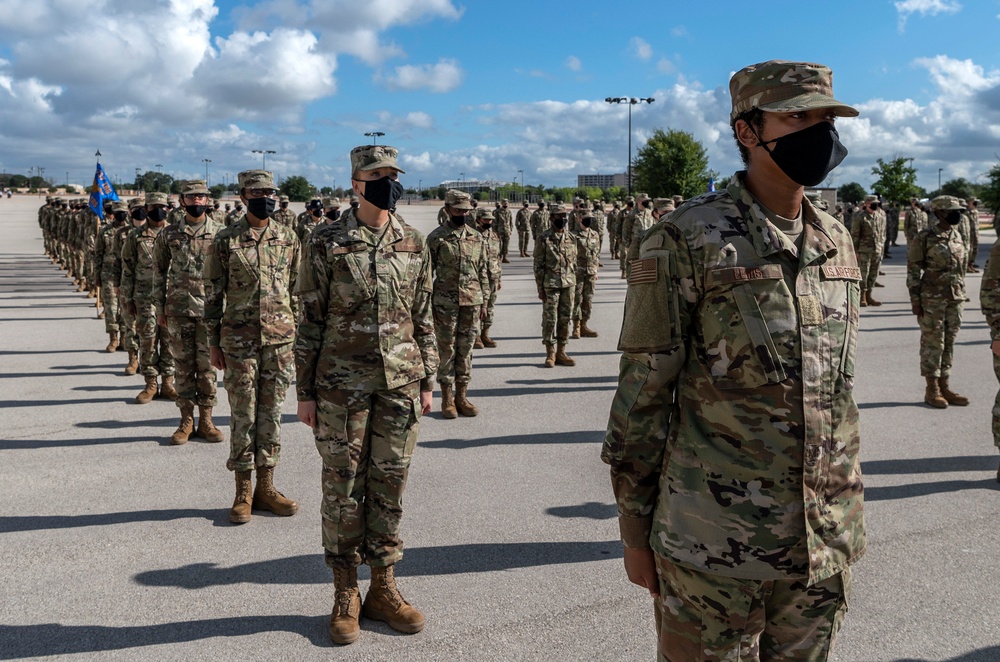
[426,384]
[635,531]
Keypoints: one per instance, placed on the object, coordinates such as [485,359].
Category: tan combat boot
[623,274]
[113,344]
[240,512]
[447,402]
[562,358]
[82,285]
[950,396]
[167,390]
[101,315]
[485,337]
[586,331]
[550,356]
[575,335]
[133,363]
[91,293]
[478,344]
[384,603]
[265,497]
[147,394]
[864,298]
[346,606]
[871,299]
[932,395]
[206,428]
[505,260]
[462,404]
[184,430]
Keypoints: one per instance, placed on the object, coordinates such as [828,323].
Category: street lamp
[940,170]
[263,156]
[206,162]
[631,101]
[138,182]
[374,135]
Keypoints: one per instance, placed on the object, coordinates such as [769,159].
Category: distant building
[602,181]
[471,186]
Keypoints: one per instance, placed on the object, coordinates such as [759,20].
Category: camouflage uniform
[180,252]
[973,213]
[461,290]
[502,227]
[138,270]
[365,350]
[935,277]
[989,300]
[914,221]
[128,333]
[284,215]
[614,226]
[625,225]
[868,236]
[105,262]
[523,233]
[249,278]
[492,248]
[235,215]
[539,223]
[555,265]
[635,228]
[599,224]
[588,256]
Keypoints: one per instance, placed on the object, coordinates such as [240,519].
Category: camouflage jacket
[868,232]
[137,264]
[521,221]
[614,223]
[443,215]
[233,217]
[494,263]
[248,287]
[179,253]
[539,223]
[459,259]
[554,259]
[935,265]
[734,436]
[306,227]
[286,217]
[117,243]
[176,215]
[914,221]
[104,256]
[989,292]
[502,221]
[635,224]
[599,222]
[588,252]
[367,319]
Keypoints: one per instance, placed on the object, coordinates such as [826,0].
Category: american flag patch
[642,271]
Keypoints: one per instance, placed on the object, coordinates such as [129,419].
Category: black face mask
[809,155]
[953,217]
[486,227]
[647,204]
[158,215]
[317,212]
[459,220]
[196,211]
[333,214]
[139,214]
[384,193]
[262,208]
[587,222]
[120,216]
[284,205]
[558,222]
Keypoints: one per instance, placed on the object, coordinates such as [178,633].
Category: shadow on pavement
[507,392]
[568,380]
[582,437]
[925,489]
[4,404]
[991,654]
[888,405]
[589,510]
[217,516]
[930,465]
[420,561]
[20,641]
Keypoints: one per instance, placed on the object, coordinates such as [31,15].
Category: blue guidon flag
[711,184]
[101,190]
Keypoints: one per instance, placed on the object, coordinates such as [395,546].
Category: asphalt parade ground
[116,545]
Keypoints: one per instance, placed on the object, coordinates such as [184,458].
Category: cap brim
[464,206]
[810,102]
[382,164]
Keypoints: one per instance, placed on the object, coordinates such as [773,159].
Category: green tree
[297,188]
[670,163]
[326,192]
[991,192]
[960,188]
[897,181]
[155,181]
[218,191]
[851,192]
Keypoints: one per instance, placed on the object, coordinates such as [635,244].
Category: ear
[745,134]
[356,186]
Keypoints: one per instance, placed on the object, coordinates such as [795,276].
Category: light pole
[206,162]
[374,135]
[263,156]
[523,196]
[461,180]
[940,170]
[631,101]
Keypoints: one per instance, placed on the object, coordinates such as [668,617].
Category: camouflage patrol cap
[485,215]
[961,201]
[228,206]
[136,202]
[505,201]
[816,198]
[663,205]
[283,198]
[48,198]
[557,208]
[373,157]
[630,198]
[678,199]
[458,199]
[779,86]
[945,203]
[616,204]
[871,198]
[156,198]
[119,205]
[524,204]
[195,186]
[331,203]
[256,179]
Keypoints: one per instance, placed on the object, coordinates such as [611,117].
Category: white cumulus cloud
[641,48]
[573,63]
[442,77]
[925,8]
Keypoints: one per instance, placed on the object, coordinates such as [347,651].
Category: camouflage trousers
[130,338]
[583,301]
[257,383]
[456,328]
[973,241]
[613,241]
[490,305]
[938,329]
[112,313]
[504,244]
[523,241]
[701,616]
[869,264]
[366,441]
[196,378]
[154,345]
[622,255]
[996,404]
[557,309]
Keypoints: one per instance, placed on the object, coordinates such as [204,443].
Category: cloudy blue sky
[481,88]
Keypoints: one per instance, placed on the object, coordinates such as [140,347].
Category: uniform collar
[393,233]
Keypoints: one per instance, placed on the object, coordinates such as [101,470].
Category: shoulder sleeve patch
[838,272]
[652,308]
[643,271]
